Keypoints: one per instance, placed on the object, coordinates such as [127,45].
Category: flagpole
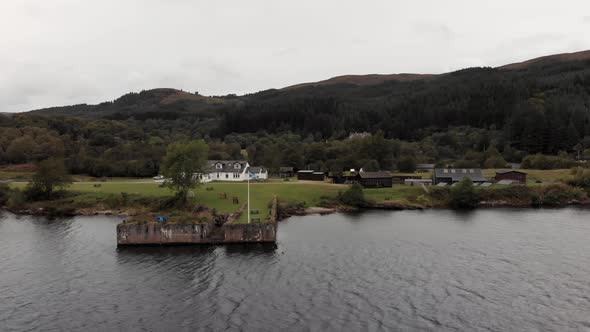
[248,197]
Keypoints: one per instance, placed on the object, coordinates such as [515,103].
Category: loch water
[435,270]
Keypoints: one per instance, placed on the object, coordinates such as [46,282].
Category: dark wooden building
[510,174]
[454,175]
[309,175]
[374,179]
[286,172]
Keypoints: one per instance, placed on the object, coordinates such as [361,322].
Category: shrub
[560,194]
[463,195]
[353,196]
[581,178]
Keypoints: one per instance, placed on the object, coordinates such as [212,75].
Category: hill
[472,117]
[372,79]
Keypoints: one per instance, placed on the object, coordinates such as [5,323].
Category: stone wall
[165,233]
[162,233]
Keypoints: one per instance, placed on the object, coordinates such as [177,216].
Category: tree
[463,195]
[51,175]
[371,166]
[181,165]
[353,196]
[406,165]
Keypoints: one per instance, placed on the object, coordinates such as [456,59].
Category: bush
[559,194]
[16,199]
[4,193]
[581,178]
[463,195]
[353,196]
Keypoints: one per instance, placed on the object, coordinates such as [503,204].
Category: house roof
[504,171]
[227,165]
[425,166]
[256,169]
[286,169]
[306,171]
[375,175]
[458,174]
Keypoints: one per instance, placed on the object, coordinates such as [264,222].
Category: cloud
[55,53]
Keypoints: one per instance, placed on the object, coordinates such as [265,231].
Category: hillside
[557,58]
[372,79]
[471,117]
[148,104]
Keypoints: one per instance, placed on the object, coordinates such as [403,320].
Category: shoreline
[314,210]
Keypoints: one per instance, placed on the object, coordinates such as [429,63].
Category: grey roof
[306,171]
[442,184]
[458,174]
[504,171]
[505,182]
[425,166]
[486,184]
[227,165]
[318,173]
[286,169]
[256,169]
[375,175]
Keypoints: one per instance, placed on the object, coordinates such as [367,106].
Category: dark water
[498,270]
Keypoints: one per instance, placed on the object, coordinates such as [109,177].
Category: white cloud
[67,51]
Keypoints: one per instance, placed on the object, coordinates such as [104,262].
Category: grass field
[310,193]
[260,193]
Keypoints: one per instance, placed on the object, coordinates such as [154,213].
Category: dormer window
[237,166]
[218,166]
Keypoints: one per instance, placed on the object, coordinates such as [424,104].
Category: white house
[232,170]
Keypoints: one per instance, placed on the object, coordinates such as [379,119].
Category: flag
[252,176]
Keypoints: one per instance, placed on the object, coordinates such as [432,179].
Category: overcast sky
[61,52]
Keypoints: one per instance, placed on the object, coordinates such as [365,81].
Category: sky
[64,52]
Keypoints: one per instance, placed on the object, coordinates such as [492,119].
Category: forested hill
[549,93]
[540,105]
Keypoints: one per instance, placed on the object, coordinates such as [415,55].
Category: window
[218,175]
[237,166]
[236,175]
[218,166]
[226,175]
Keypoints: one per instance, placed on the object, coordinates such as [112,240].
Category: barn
[510,174]
[375,179]
[310,175]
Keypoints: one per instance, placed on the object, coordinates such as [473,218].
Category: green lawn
[396,193]
[260,193]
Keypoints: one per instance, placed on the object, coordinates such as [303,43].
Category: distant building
[510,174]
[232,170]
[375,179]
[418,182]
[425,167]
[310,175]
[401,179]
[454,175]
[286,172]
[359,135]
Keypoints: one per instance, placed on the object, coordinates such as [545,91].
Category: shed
[310,175]
[425,167]
[381,179]
[418,182]
[454,175]
[286,172]
[510,174]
